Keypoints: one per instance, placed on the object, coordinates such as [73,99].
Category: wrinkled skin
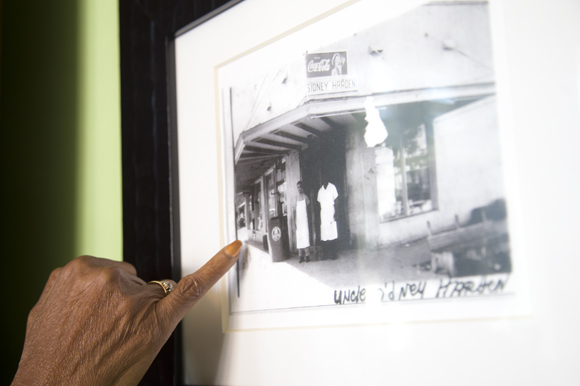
[97,323]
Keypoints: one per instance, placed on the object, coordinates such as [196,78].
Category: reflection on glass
[403,193]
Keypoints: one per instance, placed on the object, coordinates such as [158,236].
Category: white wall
[468,159]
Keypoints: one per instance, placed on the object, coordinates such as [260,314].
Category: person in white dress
[327,195]
[301,224]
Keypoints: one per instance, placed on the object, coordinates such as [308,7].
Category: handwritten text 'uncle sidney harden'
[419,290]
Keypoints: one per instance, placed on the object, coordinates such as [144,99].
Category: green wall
[59,148]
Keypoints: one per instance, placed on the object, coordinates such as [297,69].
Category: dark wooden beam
[254,156]
[329,121]
[309,129]
[279,144]
[248,162]
[264,150]
[293,137]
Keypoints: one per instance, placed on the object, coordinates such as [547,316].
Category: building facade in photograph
[400,118]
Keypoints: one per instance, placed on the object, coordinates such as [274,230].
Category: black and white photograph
[362,161]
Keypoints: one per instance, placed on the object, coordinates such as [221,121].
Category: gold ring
[165,284]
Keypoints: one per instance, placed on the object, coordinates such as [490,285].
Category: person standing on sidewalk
[301,224]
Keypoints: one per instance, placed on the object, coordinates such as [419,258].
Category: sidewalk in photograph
[409,261]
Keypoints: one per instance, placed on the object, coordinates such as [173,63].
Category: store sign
[331,86]
[327,72]
[276,233]
[326,64]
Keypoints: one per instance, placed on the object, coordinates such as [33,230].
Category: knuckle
[109,274]
[83,260]
[193,288]
[72,268]
[32,315]
[131,267]
[55,273]
[78,264]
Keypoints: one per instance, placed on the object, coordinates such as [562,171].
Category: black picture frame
[148,29]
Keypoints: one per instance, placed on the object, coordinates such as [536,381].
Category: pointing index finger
[192,287]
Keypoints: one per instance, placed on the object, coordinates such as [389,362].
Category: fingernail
[234,248]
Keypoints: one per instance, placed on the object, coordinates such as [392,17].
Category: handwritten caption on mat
[392,291]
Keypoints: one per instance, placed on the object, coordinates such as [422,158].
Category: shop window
[281,187]
[241,216]
[257,208]
[276,190]
[403,171]
[272,199]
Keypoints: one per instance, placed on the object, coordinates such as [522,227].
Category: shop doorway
[326,156]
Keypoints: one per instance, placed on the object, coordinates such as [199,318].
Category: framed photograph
[358,155]
[452,208]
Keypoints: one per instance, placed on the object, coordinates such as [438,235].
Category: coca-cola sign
[326,64]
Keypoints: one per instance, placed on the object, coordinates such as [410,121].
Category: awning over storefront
[258,148]
[292,130]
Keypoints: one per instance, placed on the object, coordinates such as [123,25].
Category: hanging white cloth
[326,197]
[375,132]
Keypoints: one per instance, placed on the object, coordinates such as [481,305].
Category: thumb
[192,287]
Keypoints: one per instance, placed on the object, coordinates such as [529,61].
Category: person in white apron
[301,225]
[327,195]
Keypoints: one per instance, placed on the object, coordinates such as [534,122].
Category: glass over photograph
[362,162]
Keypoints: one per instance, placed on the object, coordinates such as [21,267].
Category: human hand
[97,323]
